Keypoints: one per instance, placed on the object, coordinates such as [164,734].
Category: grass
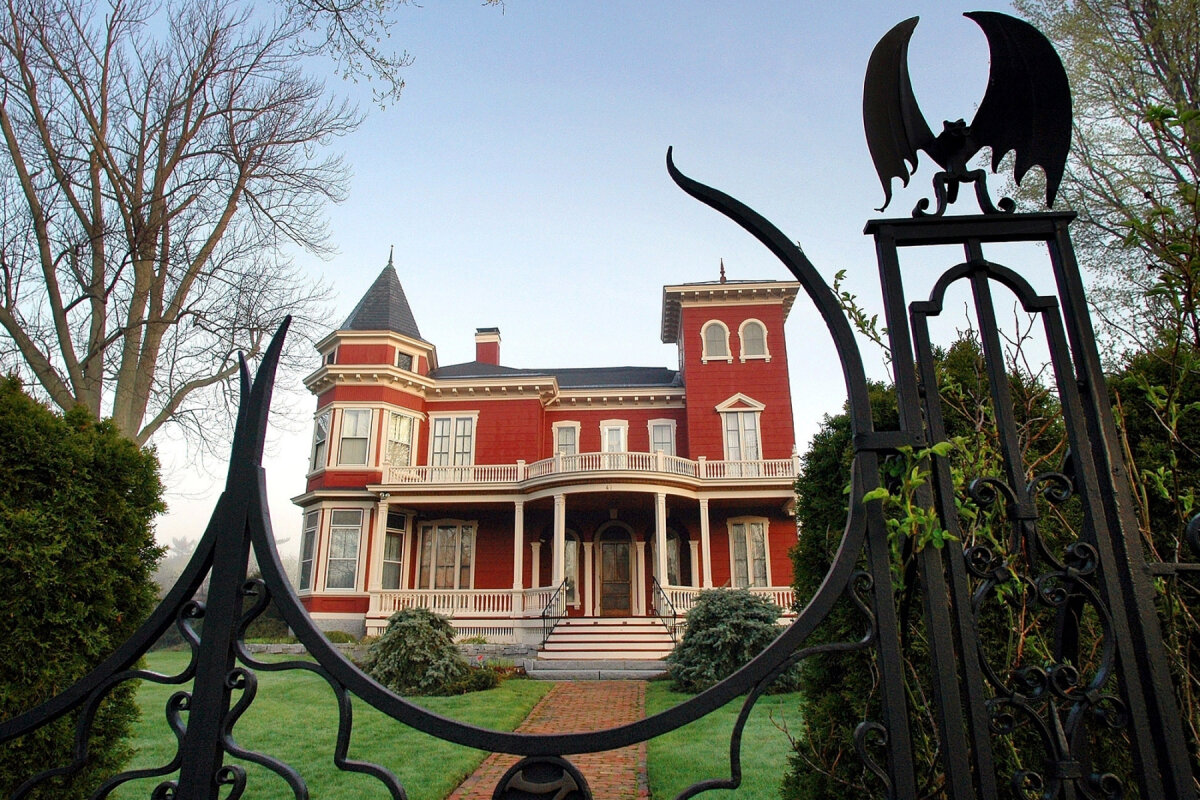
[294,718]
[700,750]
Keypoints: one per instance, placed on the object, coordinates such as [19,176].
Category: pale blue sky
[521,179]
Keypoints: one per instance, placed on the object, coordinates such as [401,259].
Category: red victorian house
[480,490]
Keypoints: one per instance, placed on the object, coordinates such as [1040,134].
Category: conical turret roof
[384,307]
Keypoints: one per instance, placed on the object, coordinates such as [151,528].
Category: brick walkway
[579,706]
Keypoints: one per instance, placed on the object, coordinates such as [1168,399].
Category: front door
[615,580]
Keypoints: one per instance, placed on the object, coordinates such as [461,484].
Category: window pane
[397,520]
[749,435]
[714,341]
[391,576]
[341,575]
[399,445]
[673,560]
[320,440]
[346,517]
[662,440]
[733,438]
[356,424]
[391,546]
[571,568]
[753,340]
[462,441]
[426,553]
[446,556]
[566,441]
[466,555]
[759,547]
[308,543]
[343,550]
[441,442]
[404,361]
[740,576]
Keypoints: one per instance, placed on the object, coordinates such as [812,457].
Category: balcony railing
[701,469]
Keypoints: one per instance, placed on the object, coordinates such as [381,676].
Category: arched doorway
[615,570]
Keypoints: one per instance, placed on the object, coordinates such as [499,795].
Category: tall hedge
[77,557]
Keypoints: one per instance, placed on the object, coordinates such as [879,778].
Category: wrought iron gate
[1099,582]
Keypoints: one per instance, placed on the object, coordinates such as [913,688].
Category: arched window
[754,340]
[715,340]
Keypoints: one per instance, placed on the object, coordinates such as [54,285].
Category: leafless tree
[159,163]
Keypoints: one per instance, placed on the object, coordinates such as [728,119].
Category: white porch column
[375,576]
[518,543]
[536,566]
[660,537]
[639,579]
[695,576]
[705,543]
[559,553]
[588,583]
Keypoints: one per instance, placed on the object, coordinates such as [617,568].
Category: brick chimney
[487,346]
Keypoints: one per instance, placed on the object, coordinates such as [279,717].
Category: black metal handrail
[554,610]
[662,603]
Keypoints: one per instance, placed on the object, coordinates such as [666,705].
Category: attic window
[404,360]
[330,357]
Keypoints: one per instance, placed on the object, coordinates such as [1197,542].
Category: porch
[508,615]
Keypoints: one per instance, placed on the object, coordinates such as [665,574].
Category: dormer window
[714,338]
[404,360]
[754,340]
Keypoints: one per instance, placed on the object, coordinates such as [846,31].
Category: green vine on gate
[909,518]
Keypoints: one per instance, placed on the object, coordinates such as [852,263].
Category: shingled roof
[384,308]
[569,378]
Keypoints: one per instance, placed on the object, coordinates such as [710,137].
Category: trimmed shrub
[416,655]
[77,559]
[725,629]
[341,637]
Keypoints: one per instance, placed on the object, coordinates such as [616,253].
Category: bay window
[308,544]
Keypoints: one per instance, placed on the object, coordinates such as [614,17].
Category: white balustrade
[684,597]
[448,602]
[778,468]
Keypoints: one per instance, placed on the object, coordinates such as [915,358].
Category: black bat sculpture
[1026,108]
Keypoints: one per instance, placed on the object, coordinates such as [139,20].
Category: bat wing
[1027,105]
[895,128]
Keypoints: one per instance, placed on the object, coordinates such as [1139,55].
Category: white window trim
[372,425]
[314,468]
[418,536]
[766,523]
[554,429]
[704,356]
[453,415]
[619,424]
[329,358]
[650,435]
[404,537]
[766,353]
[326,530]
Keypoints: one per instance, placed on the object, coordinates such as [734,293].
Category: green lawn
[700,750]
[294,718]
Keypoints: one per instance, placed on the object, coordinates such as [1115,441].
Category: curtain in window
[399,440]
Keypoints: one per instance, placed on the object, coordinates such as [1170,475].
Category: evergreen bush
[77,559]
[416,655]
[725,629]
